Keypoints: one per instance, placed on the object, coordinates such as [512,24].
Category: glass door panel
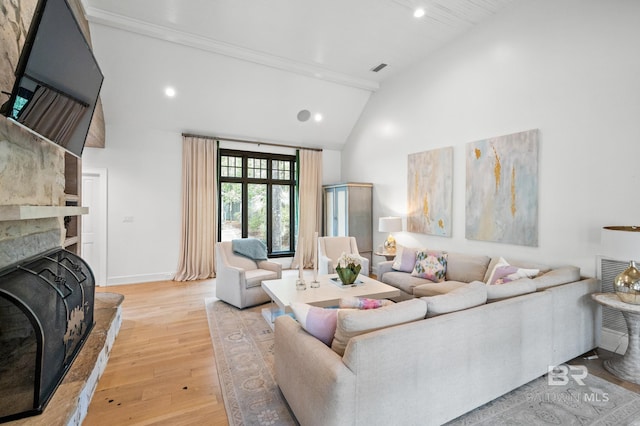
[281,220]
[257,211]
[231,211]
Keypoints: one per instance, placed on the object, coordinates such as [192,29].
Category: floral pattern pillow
[363,303]
[431,265]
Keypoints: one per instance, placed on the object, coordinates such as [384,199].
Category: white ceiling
[334,40]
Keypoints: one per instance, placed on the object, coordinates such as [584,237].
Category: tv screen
[57,79]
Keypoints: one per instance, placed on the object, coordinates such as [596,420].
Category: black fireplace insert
[46,314]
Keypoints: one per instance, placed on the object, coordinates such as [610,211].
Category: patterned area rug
[243,345]
[594,402]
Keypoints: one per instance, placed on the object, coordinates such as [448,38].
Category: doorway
[94,224]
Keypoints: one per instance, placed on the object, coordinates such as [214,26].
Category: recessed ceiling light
[419,12]
[170,92]
[317,117]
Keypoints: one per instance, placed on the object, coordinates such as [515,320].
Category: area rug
[243,345]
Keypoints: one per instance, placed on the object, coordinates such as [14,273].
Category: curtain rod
[253,142]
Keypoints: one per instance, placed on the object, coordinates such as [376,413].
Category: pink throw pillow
[405,259]
[319,322]
[504,273]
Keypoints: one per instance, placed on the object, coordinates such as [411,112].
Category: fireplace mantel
[16,212]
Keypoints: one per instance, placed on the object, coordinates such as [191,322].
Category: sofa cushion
[463,297]
[403,281]
[363,303]
[436,289]
[318,322]
[503,273]
[466,268]
[353,323]
[431,265]
[405,259]
[255,277]
[562,275]
[510,289]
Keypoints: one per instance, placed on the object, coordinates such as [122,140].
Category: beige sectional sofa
[475,345]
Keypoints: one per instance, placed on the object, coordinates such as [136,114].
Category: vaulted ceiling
[333,44]
[336,40]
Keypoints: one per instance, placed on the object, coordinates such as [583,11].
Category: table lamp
[390,224]
[623,243]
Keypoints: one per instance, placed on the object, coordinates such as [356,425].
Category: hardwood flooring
[162,369]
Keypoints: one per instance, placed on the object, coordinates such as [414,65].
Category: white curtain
[199,209]
[310,205]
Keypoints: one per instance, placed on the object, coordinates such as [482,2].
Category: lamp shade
[390,224]
[621,242]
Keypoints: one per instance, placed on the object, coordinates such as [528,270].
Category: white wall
[569,68]
[143,202]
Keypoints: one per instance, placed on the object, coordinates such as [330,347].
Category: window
[256,198]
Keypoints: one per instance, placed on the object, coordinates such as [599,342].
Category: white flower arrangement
[348,260]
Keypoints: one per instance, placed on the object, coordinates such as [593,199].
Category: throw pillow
[319,322]
[503,273]
[352,322]
[431,265]
[363,303]
[405,259]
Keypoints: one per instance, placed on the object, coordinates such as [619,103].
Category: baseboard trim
[138,279]
[613,340]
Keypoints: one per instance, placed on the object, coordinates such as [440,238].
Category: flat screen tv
[57,79]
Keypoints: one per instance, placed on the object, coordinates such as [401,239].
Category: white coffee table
[283,293]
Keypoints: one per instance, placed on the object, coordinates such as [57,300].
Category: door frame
[102,174]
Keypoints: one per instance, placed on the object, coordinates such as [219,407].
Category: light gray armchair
[239,278]
[331,248]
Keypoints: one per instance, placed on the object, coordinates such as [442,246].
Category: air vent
[612,318]
[378,67]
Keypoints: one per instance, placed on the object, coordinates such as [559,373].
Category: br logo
[560,375]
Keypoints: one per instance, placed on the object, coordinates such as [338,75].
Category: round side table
[388,255]
[626,367]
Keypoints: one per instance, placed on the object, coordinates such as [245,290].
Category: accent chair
[331,248]
[239,278]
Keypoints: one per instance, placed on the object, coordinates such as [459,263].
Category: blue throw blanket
[250,247]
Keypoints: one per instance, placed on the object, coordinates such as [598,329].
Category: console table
[626,367]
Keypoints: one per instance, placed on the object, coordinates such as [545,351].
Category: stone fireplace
[33,208]
[46,293]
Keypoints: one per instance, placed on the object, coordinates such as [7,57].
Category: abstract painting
[502,189]
[430,176]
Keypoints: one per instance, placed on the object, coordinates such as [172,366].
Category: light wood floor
[162,368]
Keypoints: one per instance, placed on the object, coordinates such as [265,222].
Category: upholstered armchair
[239,278]
[331,248]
